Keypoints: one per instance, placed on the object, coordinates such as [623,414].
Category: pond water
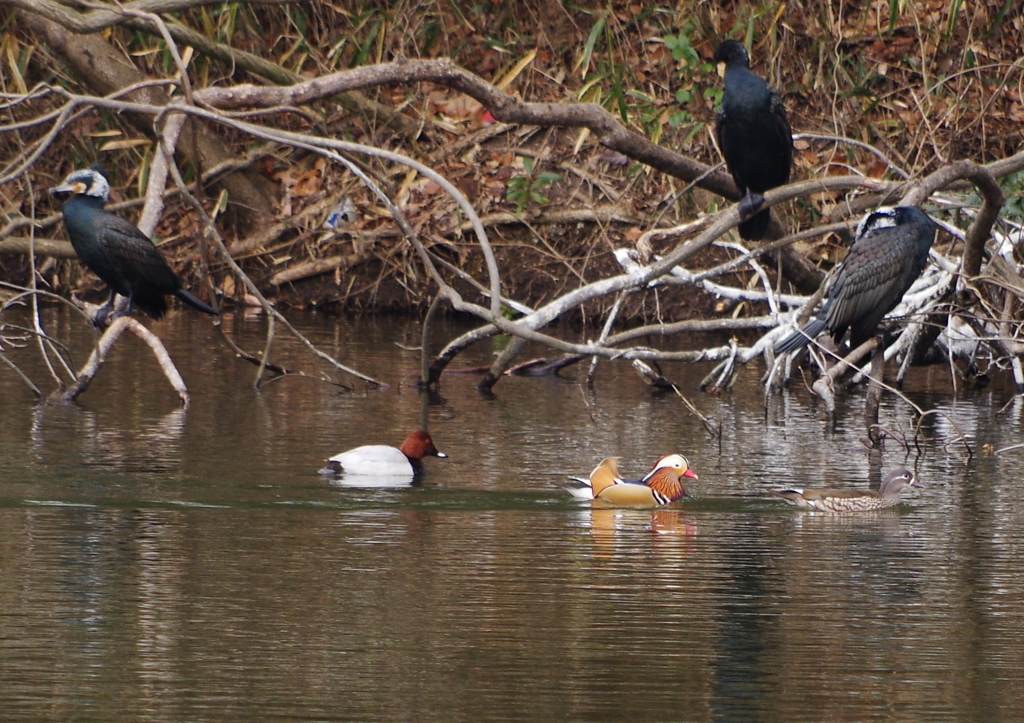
[164,565]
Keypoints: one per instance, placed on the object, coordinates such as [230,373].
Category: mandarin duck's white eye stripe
[671,461]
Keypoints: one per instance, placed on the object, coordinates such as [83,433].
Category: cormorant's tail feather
[800,339]
[754,228]
[195,302]
[154,305]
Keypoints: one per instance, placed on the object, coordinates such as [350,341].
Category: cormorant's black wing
[877,271]
[724,141]
[784,134]
[754,136]
[134,256]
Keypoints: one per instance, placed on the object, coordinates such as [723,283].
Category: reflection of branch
[823,386]
[939,413]
[714,430]
[99,354]
[272,313]
[24,377]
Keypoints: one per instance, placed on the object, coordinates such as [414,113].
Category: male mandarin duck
[852,500]
[379,460]
[663,484]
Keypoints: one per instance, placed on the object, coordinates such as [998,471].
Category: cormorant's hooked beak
[73,187]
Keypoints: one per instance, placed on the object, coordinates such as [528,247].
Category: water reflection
[371,481]
[613,527]
[196,565]
[137,444]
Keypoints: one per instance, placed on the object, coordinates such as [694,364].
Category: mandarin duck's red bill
[852,500]
[662,485]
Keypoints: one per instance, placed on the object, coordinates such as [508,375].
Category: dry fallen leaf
[462,106]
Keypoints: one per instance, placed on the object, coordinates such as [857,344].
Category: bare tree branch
[503,106]
[103,347]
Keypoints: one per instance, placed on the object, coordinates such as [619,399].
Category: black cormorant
[889,252]
[753,134]
[116,250]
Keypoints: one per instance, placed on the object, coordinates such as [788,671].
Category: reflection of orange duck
[663,484]
[670,521]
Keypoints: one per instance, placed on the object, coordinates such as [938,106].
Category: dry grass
[923,82]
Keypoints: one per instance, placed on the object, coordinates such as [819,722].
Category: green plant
[682,50]
[690,69]
[1013,187]
[526,188]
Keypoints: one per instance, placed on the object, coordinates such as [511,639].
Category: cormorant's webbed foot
[126,311]
[101,320]
[108,313]
[749,205]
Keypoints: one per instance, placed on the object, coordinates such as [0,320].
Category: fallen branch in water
[641,278]
[103,347]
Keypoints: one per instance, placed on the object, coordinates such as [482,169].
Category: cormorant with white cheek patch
[117,251]
[888,254]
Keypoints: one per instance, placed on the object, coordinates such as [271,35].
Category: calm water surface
[163,565]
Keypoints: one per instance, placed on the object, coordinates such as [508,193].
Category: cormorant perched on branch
[888,254]
[753,133]
[116,250]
